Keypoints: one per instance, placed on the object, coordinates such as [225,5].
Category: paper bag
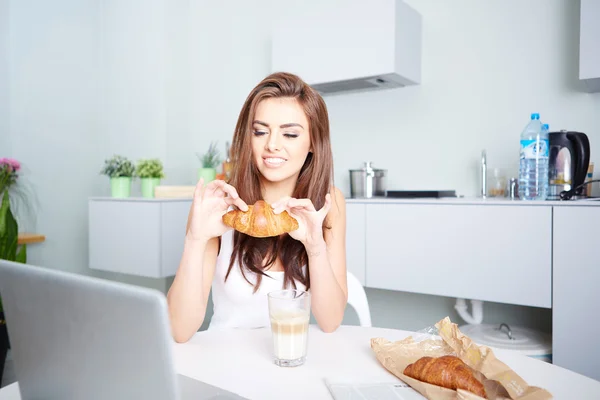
[501,382]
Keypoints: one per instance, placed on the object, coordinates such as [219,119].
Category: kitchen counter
[496,201]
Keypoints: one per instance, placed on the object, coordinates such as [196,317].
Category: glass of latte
[290,315]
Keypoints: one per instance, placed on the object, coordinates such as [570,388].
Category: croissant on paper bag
[260,221]
[446,371]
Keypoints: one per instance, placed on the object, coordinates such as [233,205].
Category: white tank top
[234,303]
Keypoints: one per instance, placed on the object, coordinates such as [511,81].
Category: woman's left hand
[310,221]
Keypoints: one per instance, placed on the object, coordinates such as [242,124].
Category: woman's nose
[273,143]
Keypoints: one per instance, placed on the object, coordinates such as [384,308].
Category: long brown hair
[314,181]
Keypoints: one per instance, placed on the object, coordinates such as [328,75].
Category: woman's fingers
[327,206]
[222,189]
[233,198]
[199,190]
[290,203]
[238,202]
[305,204]
[230,190]
[281,202]
[217,187]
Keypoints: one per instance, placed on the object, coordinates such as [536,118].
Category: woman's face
[280,139]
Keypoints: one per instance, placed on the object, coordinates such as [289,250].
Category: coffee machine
[568,163]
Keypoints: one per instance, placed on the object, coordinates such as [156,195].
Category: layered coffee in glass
[289,311]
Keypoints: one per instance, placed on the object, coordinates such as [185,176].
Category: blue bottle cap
[545,126]
[535,116]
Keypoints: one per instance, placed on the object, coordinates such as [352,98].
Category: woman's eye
[259,133]
[291,135]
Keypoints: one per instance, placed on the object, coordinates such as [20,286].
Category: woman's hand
[310,221]
[210,203]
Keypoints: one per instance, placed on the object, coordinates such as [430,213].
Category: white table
[240,361]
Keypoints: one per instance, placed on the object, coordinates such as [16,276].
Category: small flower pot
[148,185]
[120,187]
[209,174]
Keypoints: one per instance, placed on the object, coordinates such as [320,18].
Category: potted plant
[210,160]
[9,234]
[150,172]
[9,250]
[121,171]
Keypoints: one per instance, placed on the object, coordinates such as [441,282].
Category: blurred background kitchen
[82,80]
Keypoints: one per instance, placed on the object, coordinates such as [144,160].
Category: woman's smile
[274,162]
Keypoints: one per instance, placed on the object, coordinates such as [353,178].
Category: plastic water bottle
[533,166]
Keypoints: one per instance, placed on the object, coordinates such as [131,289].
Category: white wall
[178,85]
[224,70]
[5,146]
[162,79]
[131,59]
[68,112]
[53,124]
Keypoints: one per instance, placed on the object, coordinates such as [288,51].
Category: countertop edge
[477,201]
[595,202]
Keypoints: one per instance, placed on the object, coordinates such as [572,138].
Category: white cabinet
[137,237]
[145,237]
[589,44]
[486,252]
[576,298]
[356,240]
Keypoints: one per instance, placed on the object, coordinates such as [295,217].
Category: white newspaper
[372,391]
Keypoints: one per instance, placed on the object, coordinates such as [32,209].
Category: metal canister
[367,182]
[513,188]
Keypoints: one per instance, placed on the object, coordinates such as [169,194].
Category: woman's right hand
[209,205]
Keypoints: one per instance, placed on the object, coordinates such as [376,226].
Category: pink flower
[11,162]
[15,164]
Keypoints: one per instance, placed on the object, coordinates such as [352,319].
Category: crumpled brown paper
[501,382]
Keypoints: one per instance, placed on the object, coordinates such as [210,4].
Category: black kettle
[568,163]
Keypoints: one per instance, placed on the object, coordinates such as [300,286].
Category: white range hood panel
[348,45]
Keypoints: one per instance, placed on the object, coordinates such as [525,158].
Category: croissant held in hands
[260,221]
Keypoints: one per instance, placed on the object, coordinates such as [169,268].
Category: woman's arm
[327,263]
[188,295]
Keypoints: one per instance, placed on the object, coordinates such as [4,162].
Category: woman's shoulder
[338,205]
[337,196]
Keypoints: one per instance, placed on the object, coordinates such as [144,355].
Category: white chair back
[357,298]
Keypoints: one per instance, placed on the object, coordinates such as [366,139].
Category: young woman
[281,153]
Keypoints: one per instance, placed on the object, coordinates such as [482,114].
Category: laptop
[79,337]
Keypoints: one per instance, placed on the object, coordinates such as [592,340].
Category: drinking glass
[498,183]
[289,310]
